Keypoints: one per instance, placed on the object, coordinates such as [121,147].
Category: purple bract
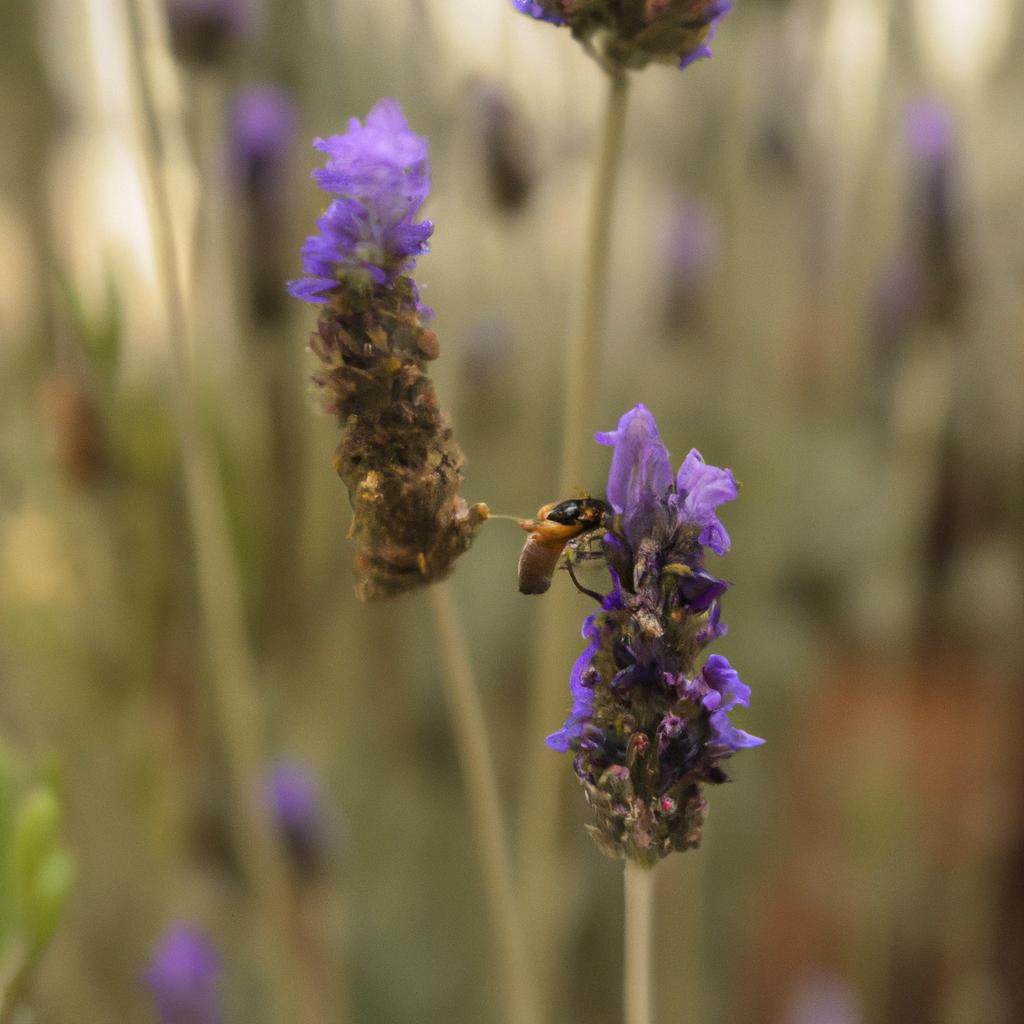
[379,176]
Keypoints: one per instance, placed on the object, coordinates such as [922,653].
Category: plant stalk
[544,780]
[470,729]
[638,955]
[583,356]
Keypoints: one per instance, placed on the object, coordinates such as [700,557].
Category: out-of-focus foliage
[869,862]
[36,873]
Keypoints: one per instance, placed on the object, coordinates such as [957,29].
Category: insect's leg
[579,586]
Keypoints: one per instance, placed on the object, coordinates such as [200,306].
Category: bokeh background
[816,279]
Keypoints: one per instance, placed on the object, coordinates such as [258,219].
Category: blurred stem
[233,666]
[485,803]
[638,955]
[545,777]
[14,986]
[583,353]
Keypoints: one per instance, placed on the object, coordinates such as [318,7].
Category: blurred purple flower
[824,999]
[296,807]
[262,126]
[507,152]
[688,251]
[203,31]
[634,32]
[928,129]
[183,977]
[647,728]
[548,12]
[379,174]
[263,119]
[707,14]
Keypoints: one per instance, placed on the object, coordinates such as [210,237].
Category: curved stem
[545,777]
[638,955]
[233,666]
[485,804]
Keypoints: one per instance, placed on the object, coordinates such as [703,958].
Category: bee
[555,526]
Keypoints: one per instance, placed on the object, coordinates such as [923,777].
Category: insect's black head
[587,512]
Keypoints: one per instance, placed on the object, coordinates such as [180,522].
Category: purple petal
[641,473]
[711,18]
[721,677]
[311,289]
[700,489]
[538,11]
[729,736]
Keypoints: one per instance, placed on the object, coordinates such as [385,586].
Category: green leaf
[51,888]
[33,841]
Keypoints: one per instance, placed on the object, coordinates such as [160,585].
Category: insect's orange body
[556,524]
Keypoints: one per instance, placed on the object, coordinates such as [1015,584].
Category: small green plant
[36,873]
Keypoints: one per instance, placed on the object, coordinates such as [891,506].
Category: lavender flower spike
[397,457]
[263,121]
[296,807]
[648,728]
[183,977]
[633,33]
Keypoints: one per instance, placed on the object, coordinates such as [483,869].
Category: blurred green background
[803,286]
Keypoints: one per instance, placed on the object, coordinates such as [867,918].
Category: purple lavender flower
[203,31]
[582,680]
[507,151]
[648,729]
[688,249]
[183,977]
[633,33]
[824,998]
[262,126]
[934,233]
[296,807]
[379,175]
[398,456]
[929,129]
[929,133]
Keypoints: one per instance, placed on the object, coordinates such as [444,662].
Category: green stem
[638,955]
[545,777]
[233,666]
[485,804]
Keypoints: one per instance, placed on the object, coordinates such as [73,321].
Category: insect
[555,526]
